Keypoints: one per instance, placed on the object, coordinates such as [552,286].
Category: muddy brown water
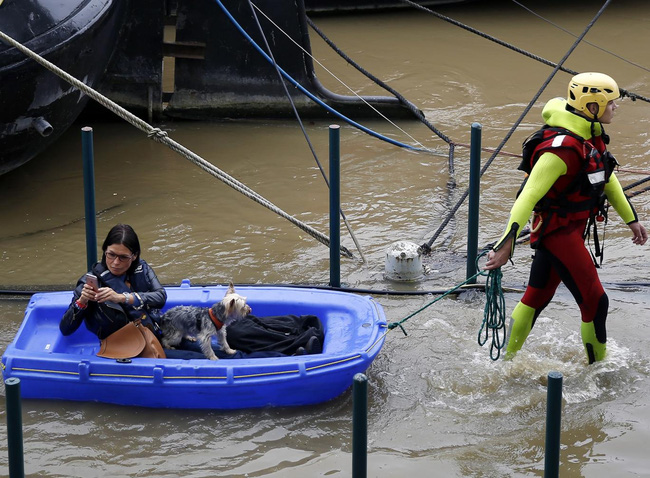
[438,406]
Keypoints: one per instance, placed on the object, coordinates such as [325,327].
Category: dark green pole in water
[360,426]
[89,195]
[14,428]
[474,191]
[335,206]
[553,421]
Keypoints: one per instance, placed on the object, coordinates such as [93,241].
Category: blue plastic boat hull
[51,366]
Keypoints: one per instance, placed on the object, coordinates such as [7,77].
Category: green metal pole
[360,426]
[335,206]
[89,195]
[553,421]
[14,428]
[474,191]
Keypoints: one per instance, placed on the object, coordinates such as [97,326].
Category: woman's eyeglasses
[111,256]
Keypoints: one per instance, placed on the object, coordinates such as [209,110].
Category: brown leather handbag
[132,340]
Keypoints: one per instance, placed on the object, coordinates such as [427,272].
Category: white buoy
[404,262]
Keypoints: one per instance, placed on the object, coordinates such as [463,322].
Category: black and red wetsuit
[570,177]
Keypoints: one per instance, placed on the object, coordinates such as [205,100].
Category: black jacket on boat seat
[284,333]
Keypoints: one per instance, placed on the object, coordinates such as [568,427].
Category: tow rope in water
[162,137]
[394,325]
[494,313]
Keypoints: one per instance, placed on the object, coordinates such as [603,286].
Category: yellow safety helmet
[586,88]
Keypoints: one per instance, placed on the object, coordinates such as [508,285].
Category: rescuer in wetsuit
[571,174]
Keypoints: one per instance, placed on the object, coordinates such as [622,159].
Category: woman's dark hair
[125,235]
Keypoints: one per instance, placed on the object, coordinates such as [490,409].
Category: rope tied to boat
[493,313]
[394,325]
[162,137]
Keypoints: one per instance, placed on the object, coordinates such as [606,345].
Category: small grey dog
[201,323]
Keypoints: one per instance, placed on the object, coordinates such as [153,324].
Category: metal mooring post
[360,426]
[553,421]
[474,191]
[89,195]
[14,428]
[335,206]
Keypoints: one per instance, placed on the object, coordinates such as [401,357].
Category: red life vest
[578,194]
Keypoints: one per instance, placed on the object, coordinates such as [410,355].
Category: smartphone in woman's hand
[91,280]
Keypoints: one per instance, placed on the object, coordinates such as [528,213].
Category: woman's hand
[87,294]
[106,294]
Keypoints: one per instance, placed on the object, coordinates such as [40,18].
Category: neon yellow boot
[521,324]
[595,349]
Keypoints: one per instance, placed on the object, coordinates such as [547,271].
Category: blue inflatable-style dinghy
[51,366]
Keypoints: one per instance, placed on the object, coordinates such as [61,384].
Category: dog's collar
[217,323]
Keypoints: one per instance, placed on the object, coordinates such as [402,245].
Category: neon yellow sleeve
[548,168]
[619,200]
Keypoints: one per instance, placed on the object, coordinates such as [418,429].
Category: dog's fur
[194,323]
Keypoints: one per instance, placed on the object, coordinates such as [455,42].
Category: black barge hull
[36,106]
[217,73]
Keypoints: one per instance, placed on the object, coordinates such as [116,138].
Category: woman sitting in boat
[127,289]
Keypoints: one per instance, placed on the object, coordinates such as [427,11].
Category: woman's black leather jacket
[104,319]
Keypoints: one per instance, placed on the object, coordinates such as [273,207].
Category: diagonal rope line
[574,36]
[558,66]
[637,192]
[361,98]
[636,183]
[300,123]
[414,109]
[162,137]
[313,97]
[427,246]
